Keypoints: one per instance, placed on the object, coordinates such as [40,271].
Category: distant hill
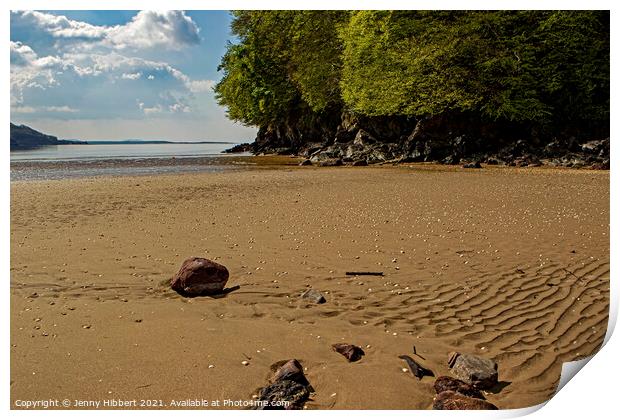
[24,137]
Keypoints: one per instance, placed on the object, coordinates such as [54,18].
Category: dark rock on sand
[472,165]
[446,383]
[360,163]
[450,400]
[290,371]
[417,370]
[306,162]
[351,352]
[526,160]
[199,276]
[475,370]
[289,388]
[313,296]
[284,391]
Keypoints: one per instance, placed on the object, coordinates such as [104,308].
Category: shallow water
[79,161]
[73,152]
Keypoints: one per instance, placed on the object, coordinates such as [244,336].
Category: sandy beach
[510,264]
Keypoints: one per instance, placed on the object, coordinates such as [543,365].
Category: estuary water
[87,160]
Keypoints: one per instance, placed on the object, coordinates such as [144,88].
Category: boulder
[306,162]
[475,370]
[446,383]
[351,352]
[472,165]
[199,276]
[363,138]
[313,296]
[596,147]
[450,400]
[493,160]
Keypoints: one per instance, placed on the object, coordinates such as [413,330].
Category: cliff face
[449,139]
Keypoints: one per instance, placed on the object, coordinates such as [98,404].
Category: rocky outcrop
[239,148]
[199,276]
[450,139]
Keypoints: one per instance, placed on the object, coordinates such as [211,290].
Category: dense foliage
[538,67]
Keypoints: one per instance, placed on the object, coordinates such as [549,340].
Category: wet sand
[511,264]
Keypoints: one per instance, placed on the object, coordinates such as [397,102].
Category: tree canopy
[542,67]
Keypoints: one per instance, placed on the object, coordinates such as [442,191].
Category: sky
[112,75]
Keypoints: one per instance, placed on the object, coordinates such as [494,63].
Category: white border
[592,394]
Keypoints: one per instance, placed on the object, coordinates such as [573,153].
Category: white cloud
[32,110]
[131,76]
[157,109]
[178,107]
[63,108]
[197,86]
[62,61]
[148,29]
[30,72]
[23,110]
[21,54]
[60,26]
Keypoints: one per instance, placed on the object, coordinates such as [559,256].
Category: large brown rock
[475,370]
[450,400]
[199,276]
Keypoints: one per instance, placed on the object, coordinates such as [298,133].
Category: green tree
[547,68]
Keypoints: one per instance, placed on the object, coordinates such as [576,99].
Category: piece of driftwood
[364,273]
[416,369]
[416,353]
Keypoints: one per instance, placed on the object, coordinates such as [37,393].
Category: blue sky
[120,74]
